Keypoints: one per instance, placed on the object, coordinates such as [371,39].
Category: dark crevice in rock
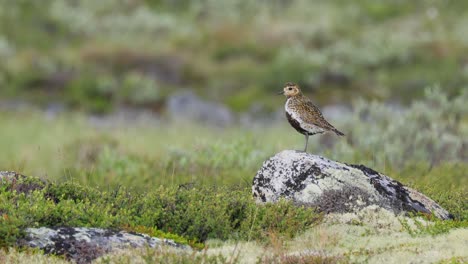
[366,170]
[395,191]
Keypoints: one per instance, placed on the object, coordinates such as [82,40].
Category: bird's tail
[339,133]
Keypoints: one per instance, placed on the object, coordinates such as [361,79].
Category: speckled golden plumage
[303,115]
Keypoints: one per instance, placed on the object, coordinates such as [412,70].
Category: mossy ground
[194,188]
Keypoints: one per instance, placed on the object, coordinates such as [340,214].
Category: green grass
[138,157]
[187,214]
[192,183]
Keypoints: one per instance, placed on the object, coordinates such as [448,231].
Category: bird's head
[291,90]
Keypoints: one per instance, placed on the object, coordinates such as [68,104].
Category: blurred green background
[99,55]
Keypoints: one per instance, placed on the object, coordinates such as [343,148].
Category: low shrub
[187,214]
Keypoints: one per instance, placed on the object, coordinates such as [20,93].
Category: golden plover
[303,115]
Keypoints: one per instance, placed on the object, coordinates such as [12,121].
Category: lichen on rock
[83,245]
[21,183]
[336,187]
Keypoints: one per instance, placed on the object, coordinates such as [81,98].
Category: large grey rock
[187,106]
[335,187]
[82,245]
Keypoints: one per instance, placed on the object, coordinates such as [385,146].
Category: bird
[303,115]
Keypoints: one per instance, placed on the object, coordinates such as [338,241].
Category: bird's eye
[289,88]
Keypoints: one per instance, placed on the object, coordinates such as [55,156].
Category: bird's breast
[290,109]
[291,112]
[287,106]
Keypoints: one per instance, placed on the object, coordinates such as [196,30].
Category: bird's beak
[280,93]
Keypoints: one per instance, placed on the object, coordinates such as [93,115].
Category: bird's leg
[307,141]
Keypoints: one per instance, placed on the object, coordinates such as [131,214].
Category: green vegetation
[195,189]
[197,213]
[423,146]
[98,55]
[400,67]
[435,227]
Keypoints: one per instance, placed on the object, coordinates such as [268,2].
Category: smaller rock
[7,176]
[83,245]
[21,183]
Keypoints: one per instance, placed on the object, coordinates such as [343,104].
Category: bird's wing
[312,115]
